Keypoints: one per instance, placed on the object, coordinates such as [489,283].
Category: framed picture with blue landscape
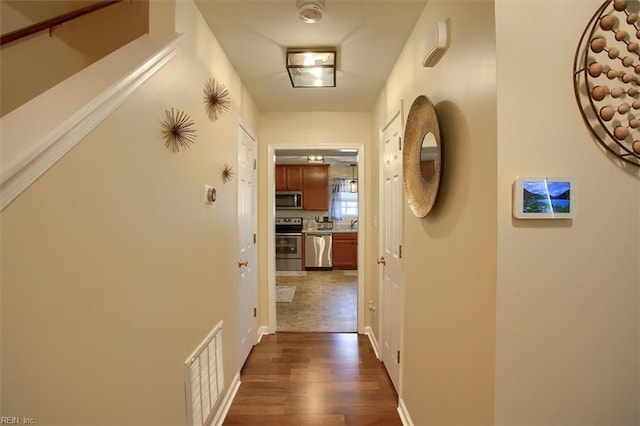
[544,197]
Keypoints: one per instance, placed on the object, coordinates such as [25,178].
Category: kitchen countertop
[329,231]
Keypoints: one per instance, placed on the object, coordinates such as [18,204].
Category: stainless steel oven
[288,244]
[288,252]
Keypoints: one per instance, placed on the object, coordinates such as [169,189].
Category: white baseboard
[227,401]
[372,338]
[404,414]
[262,331]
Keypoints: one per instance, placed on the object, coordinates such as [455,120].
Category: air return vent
[203,378]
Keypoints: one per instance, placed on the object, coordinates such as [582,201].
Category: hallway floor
[314,379]
[325,301]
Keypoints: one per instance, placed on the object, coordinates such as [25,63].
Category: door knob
[382,261]
[242,263]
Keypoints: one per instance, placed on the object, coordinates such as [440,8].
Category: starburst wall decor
[216,99]
[227,173]
[177,130]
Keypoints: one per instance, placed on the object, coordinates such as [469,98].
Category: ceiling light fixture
[315,159]
[312,67]
[310,11]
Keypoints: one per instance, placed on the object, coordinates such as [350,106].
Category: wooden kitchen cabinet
[345,250]
[289,177]
[315,187]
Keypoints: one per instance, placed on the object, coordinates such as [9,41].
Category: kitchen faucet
[353,223]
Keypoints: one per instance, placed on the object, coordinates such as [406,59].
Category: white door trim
[271,235]
[242,123]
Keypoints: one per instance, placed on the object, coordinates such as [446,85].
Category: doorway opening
[316,279]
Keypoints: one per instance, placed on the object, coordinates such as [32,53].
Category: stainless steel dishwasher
[318,251]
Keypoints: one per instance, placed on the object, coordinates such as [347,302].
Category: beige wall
[313,129]
[113,269]
[447,375]
[567,312]
[107,259]
[162,17]
[36,63]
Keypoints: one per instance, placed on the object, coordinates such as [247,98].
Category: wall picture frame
[544,197]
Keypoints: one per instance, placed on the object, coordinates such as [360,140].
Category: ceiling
[368,35]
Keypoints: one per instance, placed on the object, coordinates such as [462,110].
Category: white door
[391,247]
[247,228]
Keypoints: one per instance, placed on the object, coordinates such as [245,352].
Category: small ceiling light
[353,185]
[312,67]
[315,159]
[310,11]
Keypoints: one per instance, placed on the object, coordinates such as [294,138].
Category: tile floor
[324,301]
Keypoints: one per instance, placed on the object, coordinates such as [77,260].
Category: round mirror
[428,155]
[421,158]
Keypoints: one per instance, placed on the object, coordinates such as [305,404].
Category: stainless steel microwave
[289,200]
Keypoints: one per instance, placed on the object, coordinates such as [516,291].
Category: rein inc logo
[5,420]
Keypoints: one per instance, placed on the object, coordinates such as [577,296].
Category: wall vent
[203,378]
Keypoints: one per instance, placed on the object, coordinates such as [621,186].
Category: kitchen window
[344,204]
[349,205]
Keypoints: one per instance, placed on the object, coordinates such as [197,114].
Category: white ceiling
[368,35]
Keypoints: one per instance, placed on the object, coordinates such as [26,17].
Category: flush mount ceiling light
[310,11]
[315,159]
[312,67]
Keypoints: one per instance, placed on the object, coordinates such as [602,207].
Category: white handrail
[36,135]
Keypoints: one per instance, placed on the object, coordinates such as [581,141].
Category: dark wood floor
[314,379]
